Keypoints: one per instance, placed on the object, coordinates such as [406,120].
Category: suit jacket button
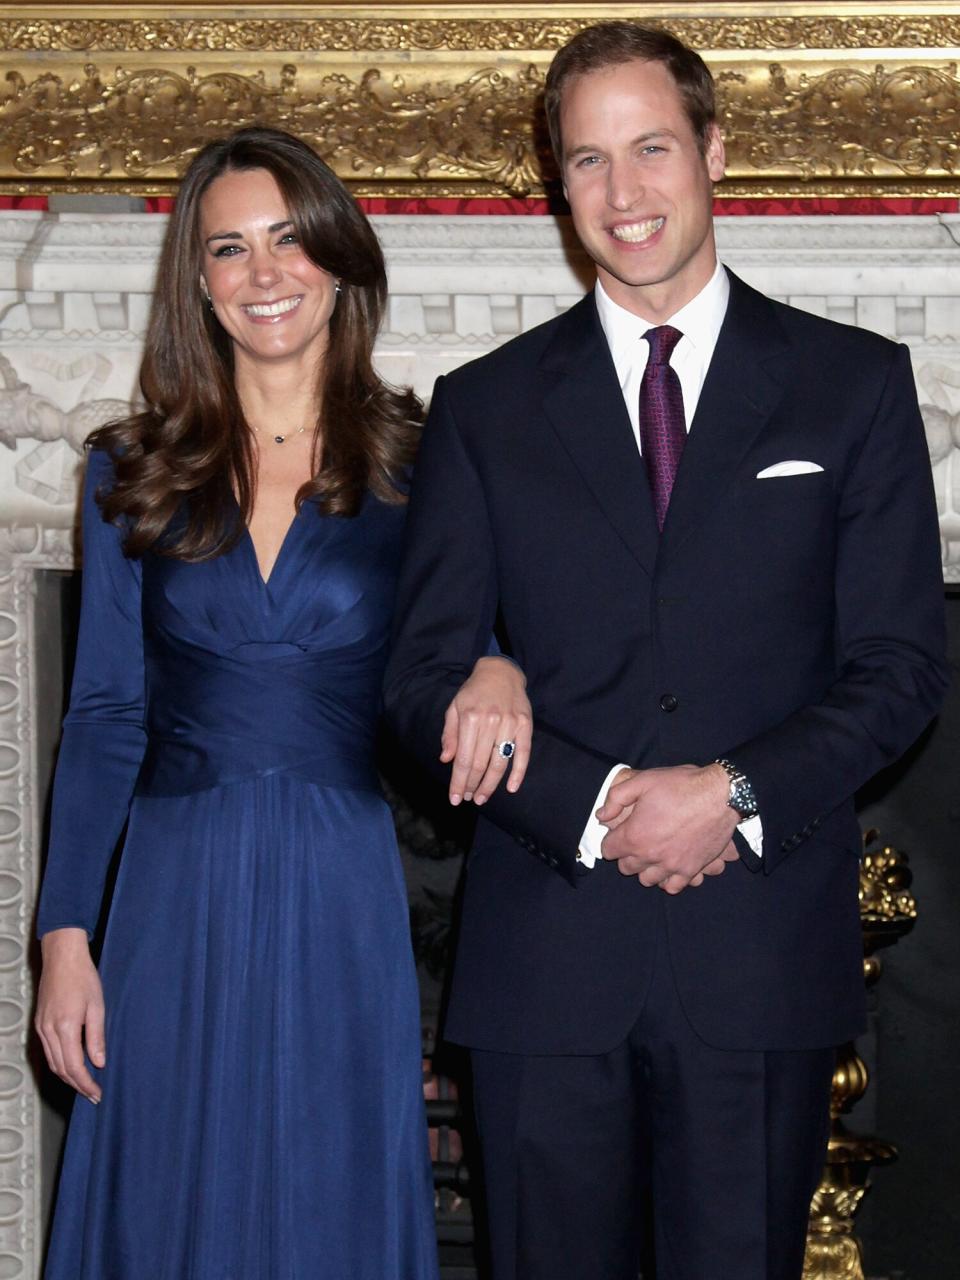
[668,702]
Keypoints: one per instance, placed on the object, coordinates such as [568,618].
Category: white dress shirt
[699,321]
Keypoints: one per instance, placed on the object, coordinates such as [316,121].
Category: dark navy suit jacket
[794,625]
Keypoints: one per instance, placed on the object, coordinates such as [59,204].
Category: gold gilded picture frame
[415,100]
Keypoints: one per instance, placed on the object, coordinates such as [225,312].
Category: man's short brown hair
[610,44]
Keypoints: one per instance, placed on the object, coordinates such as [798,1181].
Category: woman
[253,1104]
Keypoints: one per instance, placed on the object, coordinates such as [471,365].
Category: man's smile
[637,232]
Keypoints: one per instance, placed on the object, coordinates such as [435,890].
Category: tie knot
[662,341]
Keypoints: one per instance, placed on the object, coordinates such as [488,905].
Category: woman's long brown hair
[186,463]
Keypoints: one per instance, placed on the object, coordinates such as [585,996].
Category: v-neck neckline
[248,538]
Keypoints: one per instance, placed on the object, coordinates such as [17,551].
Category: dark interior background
[910,1221]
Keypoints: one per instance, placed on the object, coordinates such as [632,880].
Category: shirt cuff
[589,849]
[752,831]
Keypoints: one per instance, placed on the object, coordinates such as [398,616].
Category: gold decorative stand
[887,911]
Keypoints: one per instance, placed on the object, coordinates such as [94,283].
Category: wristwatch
[741,797]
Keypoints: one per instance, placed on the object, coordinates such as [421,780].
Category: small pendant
[279,439]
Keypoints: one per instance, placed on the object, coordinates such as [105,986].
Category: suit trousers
[727,1146]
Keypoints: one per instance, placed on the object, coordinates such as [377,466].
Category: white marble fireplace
[74,297]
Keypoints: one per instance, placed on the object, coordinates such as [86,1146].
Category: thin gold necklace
[280,439]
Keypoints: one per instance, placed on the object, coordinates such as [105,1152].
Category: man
[763,592]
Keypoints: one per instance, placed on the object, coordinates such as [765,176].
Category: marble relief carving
[459,287]
[48,470]
[939,385]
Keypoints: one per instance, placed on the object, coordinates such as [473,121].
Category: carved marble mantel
[74,297]
[75,290]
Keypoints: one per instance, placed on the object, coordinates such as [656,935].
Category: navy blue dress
[262,1114]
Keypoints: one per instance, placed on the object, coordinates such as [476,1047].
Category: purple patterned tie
[663,429]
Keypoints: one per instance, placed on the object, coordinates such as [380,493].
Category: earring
[339,289]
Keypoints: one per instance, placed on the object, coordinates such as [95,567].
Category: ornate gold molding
[821,99]
[888,911]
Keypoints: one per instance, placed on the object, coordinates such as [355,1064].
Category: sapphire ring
[506,749]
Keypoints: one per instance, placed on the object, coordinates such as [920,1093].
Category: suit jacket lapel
[584,403]
[739,394]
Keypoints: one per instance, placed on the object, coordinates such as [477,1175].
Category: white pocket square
[790,468]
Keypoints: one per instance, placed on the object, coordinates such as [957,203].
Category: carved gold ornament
[888,911]
[821,99]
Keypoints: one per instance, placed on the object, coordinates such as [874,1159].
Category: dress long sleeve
[103,733]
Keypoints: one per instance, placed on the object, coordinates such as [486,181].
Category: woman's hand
[70,1009]
[491,708]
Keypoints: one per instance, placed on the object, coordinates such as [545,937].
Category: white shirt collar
[699,321]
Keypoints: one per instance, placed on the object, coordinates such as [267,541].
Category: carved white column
[24,549]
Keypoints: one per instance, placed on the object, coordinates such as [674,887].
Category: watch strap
[742,797]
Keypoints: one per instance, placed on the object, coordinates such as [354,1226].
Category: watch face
[741,797]
[742,800]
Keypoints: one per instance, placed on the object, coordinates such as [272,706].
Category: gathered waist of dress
[173,767]
[221,720]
